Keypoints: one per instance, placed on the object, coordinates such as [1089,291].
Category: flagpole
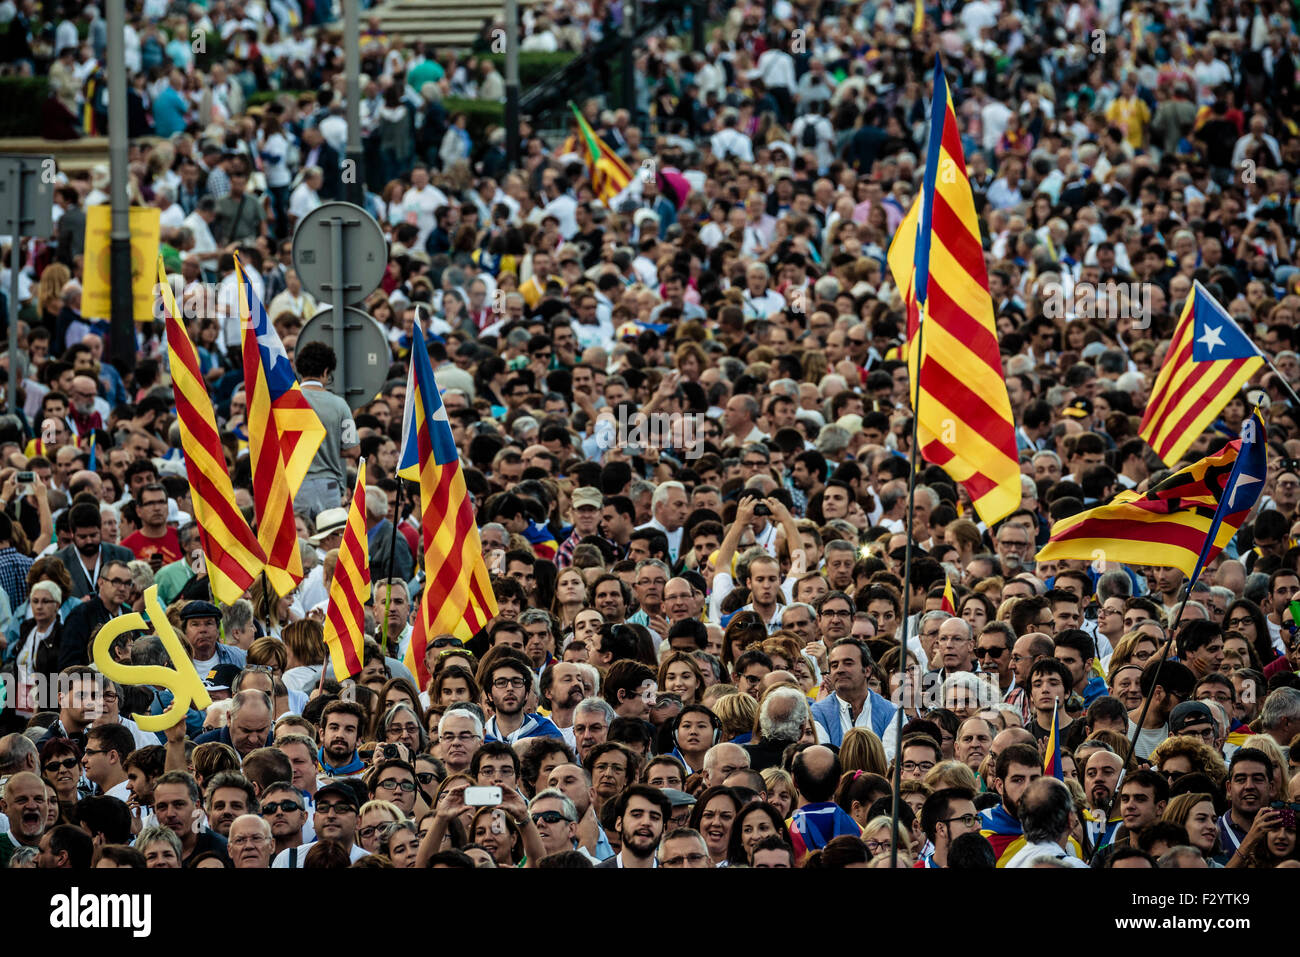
[907,596]
[392,561]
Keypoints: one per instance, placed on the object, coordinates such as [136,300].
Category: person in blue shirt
[170,108]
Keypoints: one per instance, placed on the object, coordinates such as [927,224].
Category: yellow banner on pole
[146,233]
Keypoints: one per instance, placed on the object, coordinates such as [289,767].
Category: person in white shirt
[199,223]
[1046,809]
[421,201]
[306,195]
[729,142]
[107,748]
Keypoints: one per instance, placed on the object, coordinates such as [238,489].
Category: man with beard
[341,724]
[251,842]
[1100,779]
[25,803]
[506,681]
[641,813]
[112,588]
[337,807]
[1249,789]
[561,686]
[1014,548]
[1017,767]
[87,558]
[854,705]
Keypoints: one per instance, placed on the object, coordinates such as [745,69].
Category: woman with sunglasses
[61,769]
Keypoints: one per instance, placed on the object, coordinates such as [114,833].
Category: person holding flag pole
[965,423]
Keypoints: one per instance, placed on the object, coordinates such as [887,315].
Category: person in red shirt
[155,542]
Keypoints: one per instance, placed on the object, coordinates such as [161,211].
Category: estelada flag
[1208,361]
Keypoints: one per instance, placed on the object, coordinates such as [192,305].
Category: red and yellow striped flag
[457,598]
[284,433]
[949,602]
[609,174]
[345,620]
[1208,361]
[964,422]
[233,555]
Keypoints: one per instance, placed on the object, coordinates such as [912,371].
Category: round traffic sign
[366,344]
[365,251]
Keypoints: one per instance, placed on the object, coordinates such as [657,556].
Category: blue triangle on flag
[1215,334]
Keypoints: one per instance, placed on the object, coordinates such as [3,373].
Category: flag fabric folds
[1052,766]
[964,420]
[609,174]
[1183,523]
[345,620]
[457,598]
[1208,361]
[284,433]
[233,555]
[949,602]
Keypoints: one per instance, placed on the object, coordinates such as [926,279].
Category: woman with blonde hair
[737,712]
[951,774]
[861,750]
[1134,647]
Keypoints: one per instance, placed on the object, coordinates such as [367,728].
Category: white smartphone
[482,797]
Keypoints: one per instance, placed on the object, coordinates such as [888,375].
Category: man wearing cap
[337,809]
[219,680]
[587,505]
[199,624]
[1194,719]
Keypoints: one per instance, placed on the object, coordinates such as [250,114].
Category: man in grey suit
[86,556]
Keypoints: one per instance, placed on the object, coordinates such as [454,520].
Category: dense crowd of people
[684,420]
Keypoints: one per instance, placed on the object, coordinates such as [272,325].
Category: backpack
[809,138]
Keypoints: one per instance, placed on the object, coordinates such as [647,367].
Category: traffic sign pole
[337,298]
[15,264]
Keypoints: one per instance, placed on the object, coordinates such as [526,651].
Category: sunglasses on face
[64,764]
[448,643]
[549,817]
[287,806]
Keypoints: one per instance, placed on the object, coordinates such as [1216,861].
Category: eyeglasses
[449,642]
[339,808]
[392,784]
[756,463]
[692,859]
[836,613]
[990,652]
[65,764]
[119,582]
[287,806]
[969,820]
[501,684]
[921,766]
[464,736]
[877,847]
[246,839]
[404,728]
[550,817]
[425,777]
[370,830]
[89,751]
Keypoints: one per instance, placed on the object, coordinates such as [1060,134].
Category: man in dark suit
[642,815]
[112,589]
[317,152]
[87,556]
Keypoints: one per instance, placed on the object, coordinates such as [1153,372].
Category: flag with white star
[1209,360]
[1183,522]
